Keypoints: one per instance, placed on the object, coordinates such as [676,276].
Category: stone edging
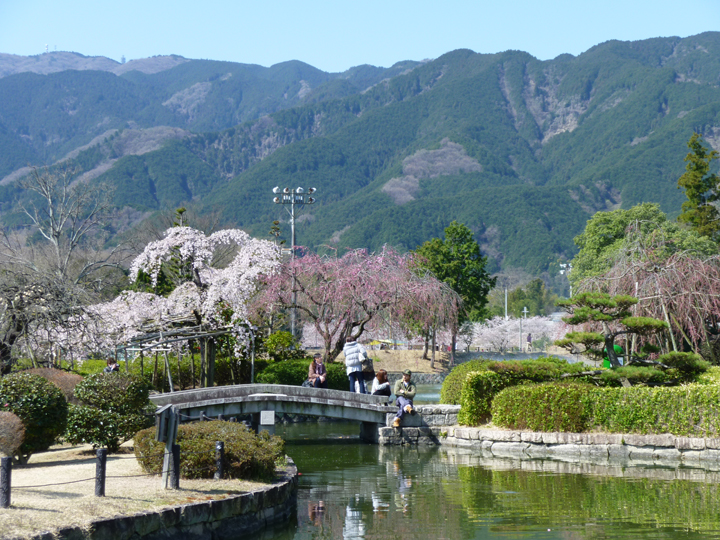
[663,448]
[232,517]
[597,446]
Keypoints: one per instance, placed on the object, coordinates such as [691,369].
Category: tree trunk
[426,344]
[155,371]
[210,349]
[203,362]
[453,341]
[432,360]
[192,364]
[179,379]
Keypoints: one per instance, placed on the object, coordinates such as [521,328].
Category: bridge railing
[236,392]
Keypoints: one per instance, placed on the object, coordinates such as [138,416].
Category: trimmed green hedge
[294,372]
[451,390]
[692,410]
[513,372]
[543,407]
[477,396]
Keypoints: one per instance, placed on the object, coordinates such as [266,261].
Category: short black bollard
[219,458]
[100,469]
[5,474]
[175,468]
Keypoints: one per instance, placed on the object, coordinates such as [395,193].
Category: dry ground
[37,509]
[396,361]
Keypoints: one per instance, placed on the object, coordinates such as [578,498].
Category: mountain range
[523,151]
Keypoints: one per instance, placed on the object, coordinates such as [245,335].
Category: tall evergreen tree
[458,262]
[701,188]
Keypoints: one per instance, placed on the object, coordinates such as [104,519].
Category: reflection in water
[354,490]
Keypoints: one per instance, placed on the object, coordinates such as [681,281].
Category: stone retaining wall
[662,448]
[232,517]
[422,428]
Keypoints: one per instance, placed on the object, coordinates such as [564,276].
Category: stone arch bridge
[243,399]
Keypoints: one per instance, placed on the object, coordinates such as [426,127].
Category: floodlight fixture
[276,189]
[312,190]
[276,200]
[286,190]
[299,190]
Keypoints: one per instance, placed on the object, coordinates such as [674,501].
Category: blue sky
[336,35]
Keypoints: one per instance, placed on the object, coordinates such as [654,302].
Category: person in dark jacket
[404,391]
[112,366]
[317,374]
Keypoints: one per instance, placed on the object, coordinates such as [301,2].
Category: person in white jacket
[354,354]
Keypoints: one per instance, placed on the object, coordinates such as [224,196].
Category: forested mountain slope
[522,151]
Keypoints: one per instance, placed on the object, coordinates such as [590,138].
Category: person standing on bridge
[354,354]
[317,374]
[404,391]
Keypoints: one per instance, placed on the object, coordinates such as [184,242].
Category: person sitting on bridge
[317,374]
[354,354]
[404,394]
[381,386]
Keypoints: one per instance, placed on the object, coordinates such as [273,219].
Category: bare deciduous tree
[58,262]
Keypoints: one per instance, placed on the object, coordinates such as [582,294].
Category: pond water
[349,489]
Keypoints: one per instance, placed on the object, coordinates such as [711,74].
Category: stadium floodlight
[276,189]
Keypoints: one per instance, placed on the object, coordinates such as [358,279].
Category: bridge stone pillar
[370,431]
[264,421]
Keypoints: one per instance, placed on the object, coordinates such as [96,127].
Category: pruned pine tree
[606,318]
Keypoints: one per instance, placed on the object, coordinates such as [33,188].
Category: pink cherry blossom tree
[344,296]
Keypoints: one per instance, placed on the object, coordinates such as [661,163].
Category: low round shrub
[107,429]
[294,372]
[64,380]
[544,407]
[111,411]
[247,456]
[119,392]
[40,405]
[12,433]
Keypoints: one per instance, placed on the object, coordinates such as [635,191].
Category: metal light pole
[524,312]
[292,197]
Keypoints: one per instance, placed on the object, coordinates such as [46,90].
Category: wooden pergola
[157,336]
